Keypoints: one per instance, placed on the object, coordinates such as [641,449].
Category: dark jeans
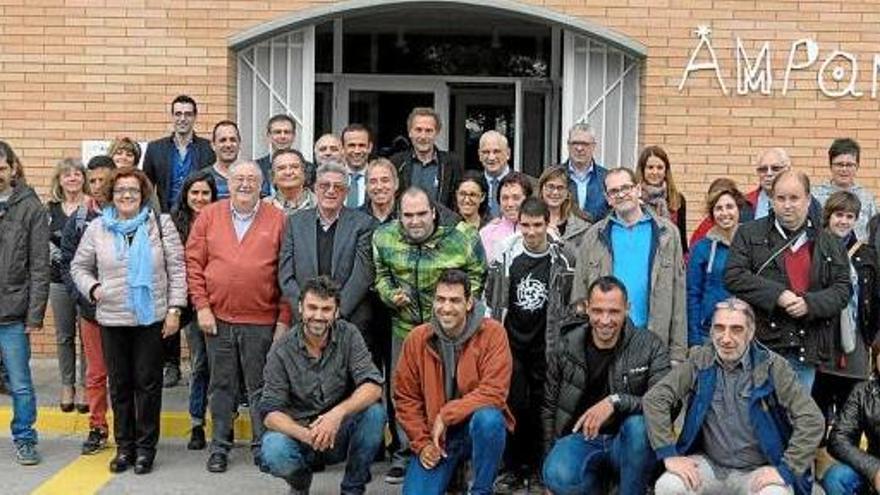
[830,393]
[357,442]
[526,395]
[233,346]
[578,465]
[481,440]
[840,479]
[201,374]
[133,356]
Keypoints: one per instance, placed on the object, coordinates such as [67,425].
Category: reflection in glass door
[385,113]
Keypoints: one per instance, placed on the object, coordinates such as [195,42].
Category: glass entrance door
[385,113]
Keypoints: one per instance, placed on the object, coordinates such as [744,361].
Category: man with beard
[450,391]
[409,255]
[321,397]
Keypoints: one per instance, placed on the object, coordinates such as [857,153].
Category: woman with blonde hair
[68,191]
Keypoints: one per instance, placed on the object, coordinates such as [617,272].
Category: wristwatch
[615,400]
[174,310]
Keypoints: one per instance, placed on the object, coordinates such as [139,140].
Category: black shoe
[82,408]
[172,376]
[395,475]
[121,462]
[95,442]
[66,406]
[217,462]
[509,482]
[196,438]
[143,464]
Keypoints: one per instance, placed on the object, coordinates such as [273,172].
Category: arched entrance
[527,71]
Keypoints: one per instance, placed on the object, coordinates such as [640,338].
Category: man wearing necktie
[357,146]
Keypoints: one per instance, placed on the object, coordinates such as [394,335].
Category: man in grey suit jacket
[331,240]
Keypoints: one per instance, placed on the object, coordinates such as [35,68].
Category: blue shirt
[494,182]
[631,260]
[242,223]
[222,184]
[762,208]
[425,175]
[181,167]
[581,181]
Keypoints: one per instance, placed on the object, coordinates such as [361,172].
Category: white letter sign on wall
[750,77]
[703,33]
[812,54]
[838,74]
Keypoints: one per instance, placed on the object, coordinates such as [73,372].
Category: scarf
[139,272]
[655,197]
[849,315]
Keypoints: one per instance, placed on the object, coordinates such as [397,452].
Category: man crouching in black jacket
[603,368]
[859,471]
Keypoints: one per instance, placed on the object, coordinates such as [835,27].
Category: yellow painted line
[84,476]
[175,424]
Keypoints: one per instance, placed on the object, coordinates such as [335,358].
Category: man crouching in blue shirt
[321,396]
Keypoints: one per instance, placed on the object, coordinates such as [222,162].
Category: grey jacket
[24,258]
[561,276]
[352,265]
[575,230]
[668,300]
[96,263]
[640,361]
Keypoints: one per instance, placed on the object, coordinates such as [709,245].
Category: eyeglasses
[327,186]
[554,188]
[733,303]
[845,165]
[775,168]
[122,191]
[245,180]
[469,195]
[620,191]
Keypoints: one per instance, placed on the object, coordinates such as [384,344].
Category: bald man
[494,155]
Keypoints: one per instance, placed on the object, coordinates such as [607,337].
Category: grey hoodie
[450,348]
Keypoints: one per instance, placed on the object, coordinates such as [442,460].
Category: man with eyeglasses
[795,274]
[410,255]
[232,262]
[332,240]
[643,251]
[749,427]
[772,162]
[169,160]
[843,159]
[585,176]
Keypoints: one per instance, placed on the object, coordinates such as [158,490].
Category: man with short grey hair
[586,178]
[241,314]
[494,153]
[749,426]
[328,148]
[331,240]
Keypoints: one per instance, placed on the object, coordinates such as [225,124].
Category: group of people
[510,332]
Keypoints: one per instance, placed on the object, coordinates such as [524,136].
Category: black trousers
[133,356]
[524,449]
[830,393]
[171,349]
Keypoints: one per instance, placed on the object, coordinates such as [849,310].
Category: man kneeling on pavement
[321,397]
[750,426]
[603,367]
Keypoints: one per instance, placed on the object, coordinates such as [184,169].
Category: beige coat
[668,300]
[95,263]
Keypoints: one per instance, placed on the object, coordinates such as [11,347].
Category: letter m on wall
[753,77]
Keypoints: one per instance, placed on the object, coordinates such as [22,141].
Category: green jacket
[415,268]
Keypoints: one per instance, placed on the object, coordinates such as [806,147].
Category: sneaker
[509,482]
[171,377]
[395,475]
[217,462]
[26,454]
[535,485]
[196,438]
[95,442]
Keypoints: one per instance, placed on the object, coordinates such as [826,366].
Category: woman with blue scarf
[130,263]
[858,321]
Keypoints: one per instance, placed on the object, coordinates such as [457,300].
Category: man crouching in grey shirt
[321,397]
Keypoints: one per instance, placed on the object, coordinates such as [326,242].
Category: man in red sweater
[232,269]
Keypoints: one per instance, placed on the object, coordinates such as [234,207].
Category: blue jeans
[15,348]
[840,479]
[578,465]
[201,376]
[358,440]
[806,372]
[481,439]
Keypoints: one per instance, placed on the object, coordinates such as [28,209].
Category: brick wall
[95,69]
